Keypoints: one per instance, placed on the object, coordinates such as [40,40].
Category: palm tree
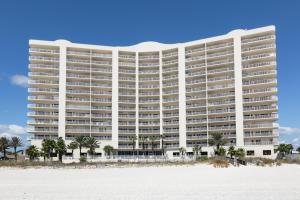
[48,146]
[60,148]
[282,149]
[152,140]
[80,140]
[33,152]
[143,139]
[15,143]
[285,149]
[4,144]
[72,146]
[133,139]
[298,149]
[289,148]
[92,144]
[162,137]
[182,151]
[108,150]
[231,151]
[240,153]
[218,141]
[196,149]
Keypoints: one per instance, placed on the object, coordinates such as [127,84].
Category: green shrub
[202,159]
[82,159]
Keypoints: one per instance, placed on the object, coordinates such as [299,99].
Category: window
[250,153]
[175,154]
[204,153]
[190,153]
[266,152]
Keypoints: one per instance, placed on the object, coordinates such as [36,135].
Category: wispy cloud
[290,135]
[10,130]
[19,80]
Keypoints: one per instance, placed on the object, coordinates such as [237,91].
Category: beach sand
[201,182]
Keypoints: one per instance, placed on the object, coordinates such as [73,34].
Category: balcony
[42,58]
[259,143]
[167,55]
[260,108]
[192,74]
[194,50]
[222,62]
[170,62]
[260,47]
[42,90]
[126,64]
[219,46]
[260,90]
[43,66]
[256,39]
[260,64]
[258,56]
[196,58]
[196,66]
[40,50]
[259,81]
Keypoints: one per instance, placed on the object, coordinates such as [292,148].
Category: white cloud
[288,130]
[11,130]
[19,80]
[290,135]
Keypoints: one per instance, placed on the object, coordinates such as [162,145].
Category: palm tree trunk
[152,146]
[15,150]
[4,153]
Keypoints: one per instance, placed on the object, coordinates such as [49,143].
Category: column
[182,102]
[115,98]
[62,92]
[238,91]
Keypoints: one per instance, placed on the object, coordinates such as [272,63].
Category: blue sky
[133,21]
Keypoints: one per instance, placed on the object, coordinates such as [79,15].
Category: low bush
[82,159]
[220,162]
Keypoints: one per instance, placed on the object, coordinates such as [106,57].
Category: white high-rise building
[184,91]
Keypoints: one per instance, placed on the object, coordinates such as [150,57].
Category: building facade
[183,92]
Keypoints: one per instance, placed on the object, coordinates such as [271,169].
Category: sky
[119,23]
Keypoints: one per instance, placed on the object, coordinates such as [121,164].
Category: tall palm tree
[182,151]
[152,140]
[72,146]
[240,153]
[15,142]
[92,144]
[108,150]
[162,137]
[60,148]
[48,146]
[231,151]
[289,148]
[217,140]
[133,139]
[80,140]
[33,152]
[4,144]
[197,149]
[143,138]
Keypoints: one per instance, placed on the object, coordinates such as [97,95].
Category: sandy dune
[183,182]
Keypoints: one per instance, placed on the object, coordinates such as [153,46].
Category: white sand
[199,182]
